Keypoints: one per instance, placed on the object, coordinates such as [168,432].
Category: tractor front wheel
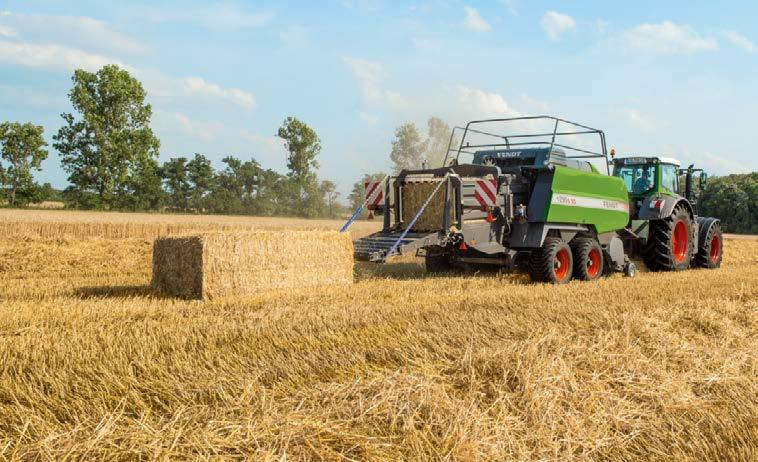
[668,245]
[552,262]
[588,259]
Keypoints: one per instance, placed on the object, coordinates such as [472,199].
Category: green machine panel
[588,198]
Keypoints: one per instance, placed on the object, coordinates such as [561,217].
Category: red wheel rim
[679,241]
[561,264]
[593,263]
[715,252]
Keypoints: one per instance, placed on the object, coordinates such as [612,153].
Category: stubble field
[398,366]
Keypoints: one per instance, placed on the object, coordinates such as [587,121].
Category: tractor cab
[648,176]
[651,180]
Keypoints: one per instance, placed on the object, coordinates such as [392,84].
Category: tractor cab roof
[646,160]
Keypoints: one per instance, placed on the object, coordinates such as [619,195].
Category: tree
[407,148]
[436,145]
[110,149]
[329,190]
[177,184]
[303,146]
[733,200]
[201,179]
[142,189]
[23,149]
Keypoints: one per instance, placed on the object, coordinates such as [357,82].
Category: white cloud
[7,32]
[634,118]
[556,24]
[74,31]
[180,122]
[198,86]
[370,75]
[707,160]
[740,41]
[54,57]
[474,20]
[216,17]
[480,104]
[667,37]
[60,58]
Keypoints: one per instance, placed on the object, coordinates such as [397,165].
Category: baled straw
[414,194]
[215,265]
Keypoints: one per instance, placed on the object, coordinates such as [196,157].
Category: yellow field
[398,366]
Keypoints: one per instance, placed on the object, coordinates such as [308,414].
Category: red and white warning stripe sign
[485,192]
[374,194]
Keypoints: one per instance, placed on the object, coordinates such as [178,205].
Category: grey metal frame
[579,130]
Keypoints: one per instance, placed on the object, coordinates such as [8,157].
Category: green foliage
[110,150]
[23,150]
[734,200]
[329,193]
[303,146]
[201,179]
[176,183]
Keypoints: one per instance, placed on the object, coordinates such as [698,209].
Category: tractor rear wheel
[710,253]
[588,258]
[668,244]
[552,262]
[437,263]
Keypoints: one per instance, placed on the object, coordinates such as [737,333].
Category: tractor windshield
[638,179]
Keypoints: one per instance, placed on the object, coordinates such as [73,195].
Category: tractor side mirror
[703,179]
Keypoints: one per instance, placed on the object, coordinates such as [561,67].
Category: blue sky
[670,78]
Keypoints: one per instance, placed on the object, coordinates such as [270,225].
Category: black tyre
[437,263]
[710,253]
[588,259]
[552,262]
[668,245]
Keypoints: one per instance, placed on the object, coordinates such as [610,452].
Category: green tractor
[664,229]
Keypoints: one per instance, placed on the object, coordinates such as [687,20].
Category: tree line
[110,154]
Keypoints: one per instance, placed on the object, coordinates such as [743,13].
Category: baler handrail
[394,247]
[587,130]
[358,211]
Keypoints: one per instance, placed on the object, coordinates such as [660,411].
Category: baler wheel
[709,255]
[668,245]
[552,262]
[588,259]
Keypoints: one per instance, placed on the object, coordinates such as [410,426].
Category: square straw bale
[216,265]
[414,194]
